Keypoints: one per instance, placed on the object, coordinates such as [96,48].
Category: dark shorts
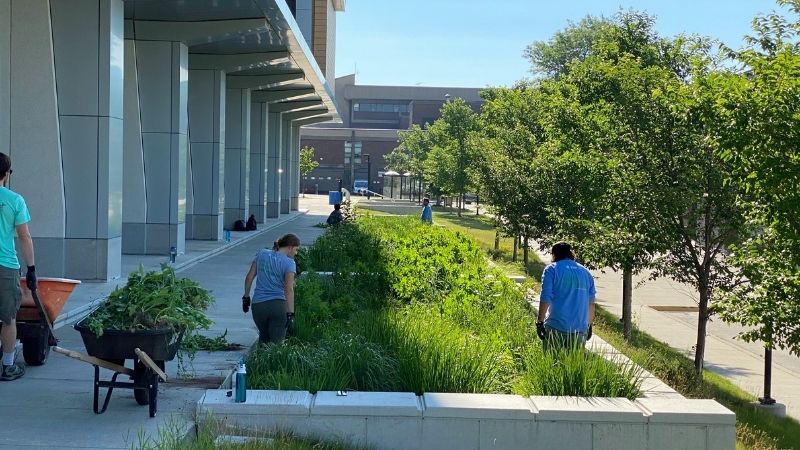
[10,294]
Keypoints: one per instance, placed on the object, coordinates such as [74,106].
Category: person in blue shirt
[14,218]
[273,298]
[566,304]
[427,213]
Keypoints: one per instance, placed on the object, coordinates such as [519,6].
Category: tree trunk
[525,253]
[702,322]
[514,251]
[460,203]
[627,300]
[497,239]
[477,205]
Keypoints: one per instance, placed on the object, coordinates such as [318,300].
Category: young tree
[411,151]
[449,163]
[308,163]
[760,138]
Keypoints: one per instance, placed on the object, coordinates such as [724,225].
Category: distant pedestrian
[335,218]
[14,218]
[427,212]
[273,297]
[566,304]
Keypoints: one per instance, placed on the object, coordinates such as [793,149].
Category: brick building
[371,116]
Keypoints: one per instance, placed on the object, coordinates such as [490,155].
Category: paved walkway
[51,406]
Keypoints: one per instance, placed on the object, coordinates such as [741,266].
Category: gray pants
[558,340]
[270,318]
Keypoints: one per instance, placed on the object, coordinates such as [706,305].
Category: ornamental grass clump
[578,372]
[153,300]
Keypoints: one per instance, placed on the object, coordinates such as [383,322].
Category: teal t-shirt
[13,212]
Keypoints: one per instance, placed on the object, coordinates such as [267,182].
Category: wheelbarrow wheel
[35,350]
[142,396]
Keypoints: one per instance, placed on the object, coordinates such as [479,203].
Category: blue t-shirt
[271,270]
[13,212]
[569,288]
[427,214]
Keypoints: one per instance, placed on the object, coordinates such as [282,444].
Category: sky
[479,43]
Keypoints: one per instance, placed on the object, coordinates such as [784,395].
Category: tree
[449,163]
[411,151]
[308,163]
[761,140]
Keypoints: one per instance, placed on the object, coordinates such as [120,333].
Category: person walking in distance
[427,212]
[14,218]
[566,304]
[273,299]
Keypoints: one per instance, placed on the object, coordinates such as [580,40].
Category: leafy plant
[153,300]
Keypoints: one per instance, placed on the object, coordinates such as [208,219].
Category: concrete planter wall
[401,420]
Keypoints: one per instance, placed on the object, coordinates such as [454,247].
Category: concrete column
[5,75]
[258,159]
[205,195]
[294,198]
[156,147]
[286,146]
[61,118]
[274,153]
[237,155]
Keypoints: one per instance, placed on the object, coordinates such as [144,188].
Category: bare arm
[26,243]
[248,279]
[288,289]
[591,313]
[543,307]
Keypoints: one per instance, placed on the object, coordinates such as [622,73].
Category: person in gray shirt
[273,298]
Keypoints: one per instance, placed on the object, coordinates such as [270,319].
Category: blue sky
[478,43]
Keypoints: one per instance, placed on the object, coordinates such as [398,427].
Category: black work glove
[30,277]
[589,332]
[289,323]
[541,331]
[246,303]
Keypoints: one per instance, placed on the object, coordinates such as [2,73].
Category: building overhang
[338,5]
[257,42]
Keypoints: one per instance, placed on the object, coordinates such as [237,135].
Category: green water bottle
[241,383]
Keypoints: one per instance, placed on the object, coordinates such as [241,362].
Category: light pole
[369,175]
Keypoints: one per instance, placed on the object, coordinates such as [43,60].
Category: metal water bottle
[241,383]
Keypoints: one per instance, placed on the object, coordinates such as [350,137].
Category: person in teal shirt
[427,213]
[14,218]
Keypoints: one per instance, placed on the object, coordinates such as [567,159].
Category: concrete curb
[73,315]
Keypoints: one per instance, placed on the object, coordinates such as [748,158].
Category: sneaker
[12,372]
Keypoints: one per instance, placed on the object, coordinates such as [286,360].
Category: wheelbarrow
[149,350]
[36,316]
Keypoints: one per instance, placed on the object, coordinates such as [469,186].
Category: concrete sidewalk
[51,406]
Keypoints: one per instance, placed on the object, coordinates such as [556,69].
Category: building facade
[372,117]
[134,125]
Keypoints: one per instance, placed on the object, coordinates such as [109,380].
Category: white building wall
[5,73]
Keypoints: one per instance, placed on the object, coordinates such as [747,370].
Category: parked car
[360,187]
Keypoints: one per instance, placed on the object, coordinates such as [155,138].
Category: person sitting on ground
[273,298]
[427,212]
[251,223]
[566,304]
[335,218]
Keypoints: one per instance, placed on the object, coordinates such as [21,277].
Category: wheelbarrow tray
[114,345]
[53,293]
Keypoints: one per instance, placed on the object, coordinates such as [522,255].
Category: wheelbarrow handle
[43,312]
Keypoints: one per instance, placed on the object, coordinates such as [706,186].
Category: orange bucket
[53,293]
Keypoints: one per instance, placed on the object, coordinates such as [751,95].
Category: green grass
[755,428]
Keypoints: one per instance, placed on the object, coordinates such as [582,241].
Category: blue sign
[334,197]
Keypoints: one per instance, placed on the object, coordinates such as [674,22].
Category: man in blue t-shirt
[566,305]
[427,213]
[14,218]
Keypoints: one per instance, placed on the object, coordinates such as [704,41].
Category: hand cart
[37,313]
[149,350]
